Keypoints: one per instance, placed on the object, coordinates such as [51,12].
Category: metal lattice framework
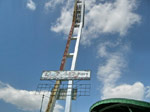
[79,90]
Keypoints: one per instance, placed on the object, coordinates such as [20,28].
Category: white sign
[66,75]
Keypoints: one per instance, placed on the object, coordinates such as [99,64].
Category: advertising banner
[66,75]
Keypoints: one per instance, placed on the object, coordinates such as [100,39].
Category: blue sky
[114,46]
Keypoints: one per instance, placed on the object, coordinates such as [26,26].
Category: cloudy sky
[114,46]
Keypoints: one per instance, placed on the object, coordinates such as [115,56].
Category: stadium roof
[120,105]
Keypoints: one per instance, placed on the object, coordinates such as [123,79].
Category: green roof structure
[120,105]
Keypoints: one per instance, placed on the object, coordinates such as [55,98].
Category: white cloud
[23,99]
[108,17]
[31,5]
[58,108]
[51,4]
[111,70]
[64,22]
[125,91]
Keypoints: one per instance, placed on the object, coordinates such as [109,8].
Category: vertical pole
[42,103]
[70,83]
[129,109]
[53,96]
[55,90]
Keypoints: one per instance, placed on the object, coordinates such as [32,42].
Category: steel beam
[54,92]
[70,82]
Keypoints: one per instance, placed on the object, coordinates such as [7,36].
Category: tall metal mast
[77,22]
[80,22]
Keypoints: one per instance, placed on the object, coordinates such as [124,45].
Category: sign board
[66,75]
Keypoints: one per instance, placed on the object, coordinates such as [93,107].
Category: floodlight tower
[78,23]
